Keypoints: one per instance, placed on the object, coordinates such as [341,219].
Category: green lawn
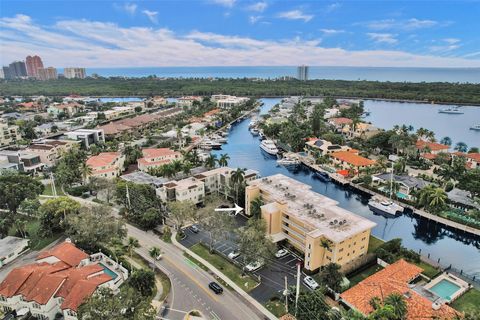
[428,270]
[374,243]
[233,272]
[276,307]
[469,302]
[37,240]
[48,190]
[357,277]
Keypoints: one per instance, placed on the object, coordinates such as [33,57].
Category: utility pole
[286,294]
[128,195]
[52,182]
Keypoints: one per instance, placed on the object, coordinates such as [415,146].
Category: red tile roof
[473,156]
[421,144]
[352,158]
[66,252]
[339,121]
[211,112]
[395,279]
[158,152]
[428,156]
[103,159]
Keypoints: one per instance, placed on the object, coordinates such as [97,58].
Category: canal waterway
[450,246]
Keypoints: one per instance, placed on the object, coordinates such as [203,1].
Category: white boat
[475,127]
[255,131]
[451,110]
[269,147]
[385,206]
[252,123]
[219,139]
[287,161]
[208,144]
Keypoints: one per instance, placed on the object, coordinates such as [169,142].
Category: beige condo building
[310,222]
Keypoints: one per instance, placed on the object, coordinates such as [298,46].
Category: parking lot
[272,276]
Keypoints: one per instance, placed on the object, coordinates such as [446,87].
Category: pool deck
[463,286]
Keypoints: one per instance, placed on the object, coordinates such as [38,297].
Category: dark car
[215,287]
[194,229]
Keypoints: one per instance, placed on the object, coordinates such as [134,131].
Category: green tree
[181,212]
[55,214]
[237,180]
[143,281]
[223,160]
[132,244]
[470,181]
[255,207]
[218,225]
[311,306]
[252,243]
[332,277]
[95,227]
[397,301]
[210,161]
[154,252]
[461,147]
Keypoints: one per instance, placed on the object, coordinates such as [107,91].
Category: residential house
[51,151]
[350,159]
[331,113]
[87,136]
[226,101]
[193,129]
[107,165]
[218,180]
[117,112]
[340,123]
[323,147]
[473,159]
[59,281]
[156,101]
[46,129]
[406,183]
[9,134]
[395,278]
[188,101]
[155,157]
[68,109]
[140,177]
[429,150]
[20,160]
[312,223]
[462,199]
[361,130]
[11,248]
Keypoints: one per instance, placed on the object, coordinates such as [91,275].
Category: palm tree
[237,179]
[446,141]
[132,243]
[461,147]
[211,161]
[186,167]
[326,245]
[430,136]
[255,207]
[85,171]
[437,200]
[176,166]
[154,252]
[397,301]
[421,132]
[223,161]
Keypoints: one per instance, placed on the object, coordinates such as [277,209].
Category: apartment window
[36,306]
[348,254]
[353,251]
[354,243]
[329,259]
[362,247]
[309,246]
[340,259]
[363,239]
[2,298]
[340,250]
[308,255]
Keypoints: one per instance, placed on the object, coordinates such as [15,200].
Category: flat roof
[10,244]
[321,215]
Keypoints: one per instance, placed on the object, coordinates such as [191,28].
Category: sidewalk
[232,284]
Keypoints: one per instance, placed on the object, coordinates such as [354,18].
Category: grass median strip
[233,272]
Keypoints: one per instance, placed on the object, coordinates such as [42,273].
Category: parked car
[194,229]
[159,257]
[310,282]
[233,255]
[281,253]
[254,266]
[215,287]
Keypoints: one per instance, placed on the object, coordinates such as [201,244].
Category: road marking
[215,316]
[176,310]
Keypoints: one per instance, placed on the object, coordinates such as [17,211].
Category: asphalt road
[190,284]
[272,276]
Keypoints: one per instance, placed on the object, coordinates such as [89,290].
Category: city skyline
[238,33]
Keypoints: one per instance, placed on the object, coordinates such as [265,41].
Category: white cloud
[408,25]
[295,15]
[254,19]
[333,7]
[101,44]
[151,15]
[258,7]
[225,3]
[383,38]
[332,31]
[451,40]
[129,8]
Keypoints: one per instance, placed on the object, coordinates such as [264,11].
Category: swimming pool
[108,271]
[445,289]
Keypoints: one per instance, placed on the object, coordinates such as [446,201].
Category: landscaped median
[232,271]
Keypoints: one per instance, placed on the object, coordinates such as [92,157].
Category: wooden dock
[337,178]
[424,214]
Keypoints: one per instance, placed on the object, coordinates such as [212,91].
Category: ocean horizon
[393,74]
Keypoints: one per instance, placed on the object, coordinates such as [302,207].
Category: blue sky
[234,32]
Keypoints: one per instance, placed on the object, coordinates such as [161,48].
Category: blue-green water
[445,289]
[451,246]
[471,75]
[108,271]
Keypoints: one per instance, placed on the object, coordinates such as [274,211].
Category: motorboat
[384,207]
[451,110]
[219,139]
[269,147]
[208,144]
[322,175]
[254,131]
[252,123]
[475,127]
[288,161]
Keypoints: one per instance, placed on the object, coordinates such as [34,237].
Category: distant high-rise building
[6,73]
[302,73]
[49,73]
[2,74]
[72,73]
[18,69]
[33,64]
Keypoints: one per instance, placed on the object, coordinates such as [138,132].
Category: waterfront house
[59,281]
[11,248]
[350,159]
[188,101]
[227,101]
[429,150]
[106,164]
[312,223]
[395,278]
[323,147]
[473,159]
[340,123]
[462,199]
[155,157]
[406,183]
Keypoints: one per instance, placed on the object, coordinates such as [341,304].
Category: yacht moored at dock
[451,110]
[269,147]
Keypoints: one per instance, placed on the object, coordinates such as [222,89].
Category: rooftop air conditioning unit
[335,221]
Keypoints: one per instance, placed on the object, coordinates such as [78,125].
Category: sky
[107,33]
